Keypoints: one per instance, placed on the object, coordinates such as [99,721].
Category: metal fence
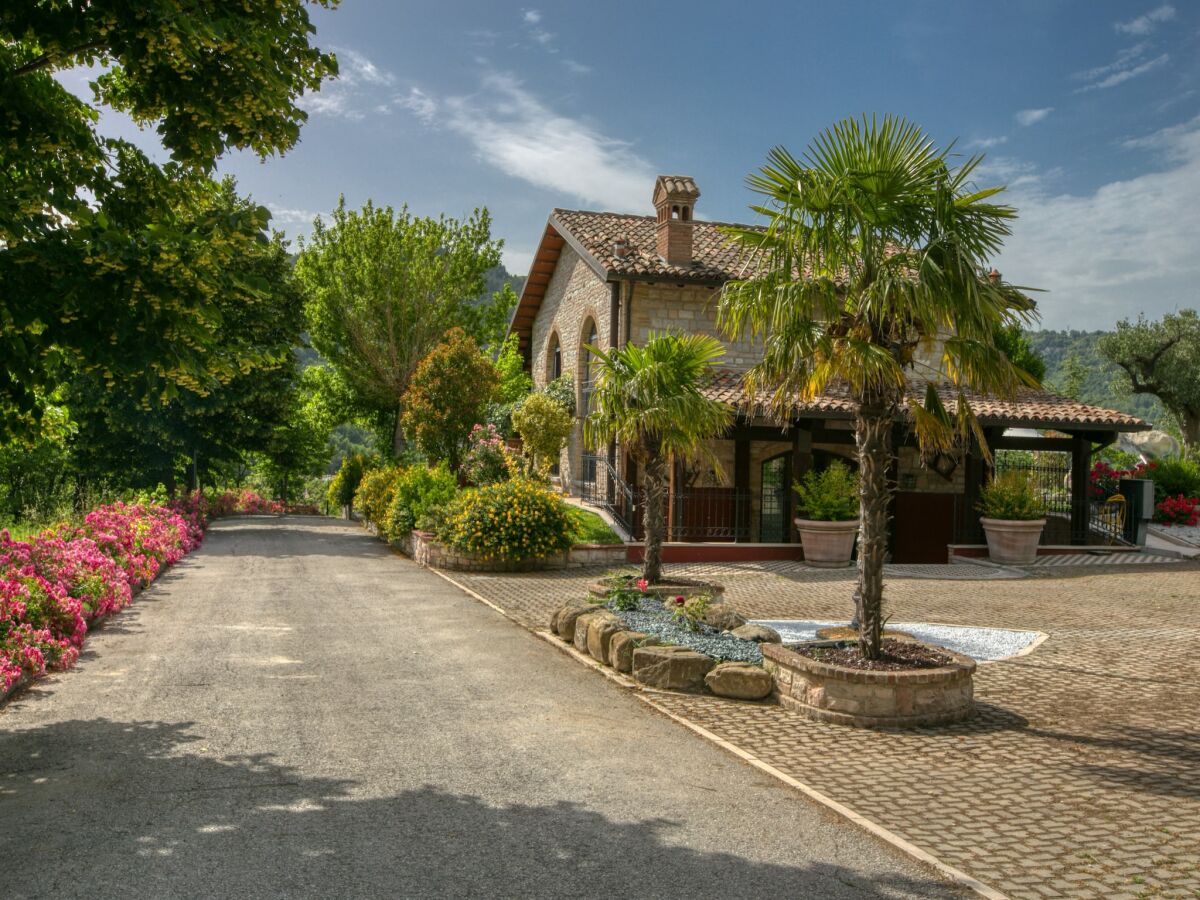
[1050,471]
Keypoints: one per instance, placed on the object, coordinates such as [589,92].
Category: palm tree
[649,400]
[874,246]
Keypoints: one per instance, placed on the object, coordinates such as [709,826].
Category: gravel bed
[981,644]
[1189,533]
[651,618]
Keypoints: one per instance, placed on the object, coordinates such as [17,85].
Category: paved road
[294,711]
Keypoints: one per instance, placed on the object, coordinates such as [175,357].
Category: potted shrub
[829,501]
[1012,518]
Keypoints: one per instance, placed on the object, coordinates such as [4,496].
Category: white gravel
[981,644]
[1189,533]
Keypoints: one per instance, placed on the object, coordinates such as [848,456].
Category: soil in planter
[897,655]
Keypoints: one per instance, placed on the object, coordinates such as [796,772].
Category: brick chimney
[675,197]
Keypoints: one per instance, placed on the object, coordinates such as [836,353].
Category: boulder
[620,649]
[579,639]
[601,629]
[723,616]
[740,681]
[671,668]
[568,616]
[760,634]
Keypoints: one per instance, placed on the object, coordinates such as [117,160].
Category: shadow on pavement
[144,809]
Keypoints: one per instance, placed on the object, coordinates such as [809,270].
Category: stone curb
[646,696]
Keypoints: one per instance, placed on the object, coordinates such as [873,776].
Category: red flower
[680,600]
[642,584]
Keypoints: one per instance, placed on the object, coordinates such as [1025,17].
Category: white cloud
[1130,63]
[1146,23]
[514,131]
[989,142]
[1125,248]
[576,68]
[354,92]
[532,16]
[1027,117]
[419,104]
[283,216]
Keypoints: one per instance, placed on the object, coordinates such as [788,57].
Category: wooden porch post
[741,480]
[802,462]
[1081,457]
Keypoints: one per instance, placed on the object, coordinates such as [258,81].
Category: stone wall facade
[691,309]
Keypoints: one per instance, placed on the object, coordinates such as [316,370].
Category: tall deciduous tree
[873,246]
[96,267]
[1162,358]
[382,290]
[650,400]
[447,396]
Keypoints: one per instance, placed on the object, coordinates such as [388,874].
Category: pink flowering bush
[54,585]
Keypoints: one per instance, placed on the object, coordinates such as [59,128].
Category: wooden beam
[1081,462]
[1031,443]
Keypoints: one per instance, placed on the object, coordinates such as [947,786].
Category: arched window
[554,358]
[586,369]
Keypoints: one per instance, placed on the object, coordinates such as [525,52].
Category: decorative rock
[581,628]
[672,668]
[622,645]
[601,629]
[760,634]
[568,616]
[724,617]
[741,681]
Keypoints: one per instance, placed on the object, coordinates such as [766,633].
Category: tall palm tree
[874,246]
[649,399]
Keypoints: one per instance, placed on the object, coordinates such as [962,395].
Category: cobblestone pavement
[1079,778]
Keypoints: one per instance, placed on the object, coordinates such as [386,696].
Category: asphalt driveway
[295,711]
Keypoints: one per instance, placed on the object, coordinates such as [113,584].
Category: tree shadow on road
[266,537]
[146,809]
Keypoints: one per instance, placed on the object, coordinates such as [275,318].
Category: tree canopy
[1162,358]
[383,287]
[103,268]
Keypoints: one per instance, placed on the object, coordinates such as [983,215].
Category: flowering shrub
[486,461]
[374,495]
[53,585]
[512,520]
[1104,480]
[421,494]
[1178,510]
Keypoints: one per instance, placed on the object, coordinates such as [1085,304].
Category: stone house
[606,279]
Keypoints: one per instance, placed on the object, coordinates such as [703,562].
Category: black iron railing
[710,514]
[600,485]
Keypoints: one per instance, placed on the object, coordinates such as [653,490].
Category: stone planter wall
[844,696]
[427,551]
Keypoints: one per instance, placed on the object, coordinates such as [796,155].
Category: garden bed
[651,617]
[426,550]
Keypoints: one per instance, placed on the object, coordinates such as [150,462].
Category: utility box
[1139,508]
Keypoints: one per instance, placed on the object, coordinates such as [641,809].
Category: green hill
[1100,382]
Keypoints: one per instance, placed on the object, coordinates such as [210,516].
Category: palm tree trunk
[873,439]
[653,518]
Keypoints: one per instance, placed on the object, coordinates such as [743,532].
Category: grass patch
[589,528]
[21,531]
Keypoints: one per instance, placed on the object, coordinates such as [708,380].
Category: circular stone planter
[827,545]
[1013,541]
[667,589]
[841,695]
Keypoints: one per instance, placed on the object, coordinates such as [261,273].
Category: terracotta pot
[827,545]
[1013,541]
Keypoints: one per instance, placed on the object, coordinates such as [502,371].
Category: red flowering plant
[1104,480]
[1178,510]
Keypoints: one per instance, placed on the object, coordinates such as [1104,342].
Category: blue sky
[1088,110]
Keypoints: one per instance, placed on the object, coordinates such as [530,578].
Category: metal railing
[710,514]
[600,485]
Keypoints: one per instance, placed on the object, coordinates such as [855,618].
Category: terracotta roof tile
[1029,409]
[714,258]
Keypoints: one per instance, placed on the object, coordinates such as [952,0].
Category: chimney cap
[675,187]
[994,275]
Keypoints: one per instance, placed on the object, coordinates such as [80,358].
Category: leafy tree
[1012,340]
[1162,358]
[649,399]
[448,394]
[384,287]
[514,385]
[1073,377]
[97,267]
[892,244]
[298,445]
[544,427]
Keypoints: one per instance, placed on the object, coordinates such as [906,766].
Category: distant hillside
[1055,347]
[498,276]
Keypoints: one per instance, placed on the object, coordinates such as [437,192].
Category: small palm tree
[649,399]
[873,247]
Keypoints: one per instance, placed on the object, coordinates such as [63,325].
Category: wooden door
[924,525]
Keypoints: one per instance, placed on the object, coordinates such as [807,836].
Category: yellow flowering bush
[375,493]
[511,520]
